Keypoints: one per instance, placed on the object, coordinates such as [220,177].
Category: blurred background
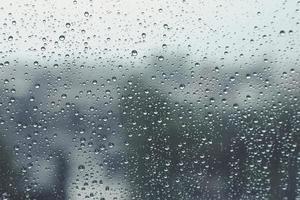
[154,100]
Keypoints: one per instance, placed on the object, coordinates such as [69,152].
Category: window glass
[152,99]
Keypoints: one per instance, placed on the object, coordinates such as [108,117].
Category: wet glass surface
[149,100]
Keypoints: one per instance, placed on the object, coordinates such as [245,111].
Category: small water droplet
[282,32]
[86,14]
[160,58]
[62,38]
[134,53]
[81,167]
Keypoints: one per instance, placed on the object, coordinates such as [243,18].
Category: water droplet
[181,86]
[86,14]
[81,167]
[282,32]
[160,58]
[62,38]
[134,53]
[64,96]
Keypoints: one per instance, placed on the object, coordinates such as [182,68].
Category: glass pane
[152,100]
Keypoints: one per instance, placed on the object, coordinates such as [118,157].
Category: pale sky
[223,23]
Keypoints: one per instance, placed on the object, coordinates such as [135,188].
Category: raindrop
[64,96]
[282,32]
[160,58]
[62,38]
[134,53]
[81,167]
